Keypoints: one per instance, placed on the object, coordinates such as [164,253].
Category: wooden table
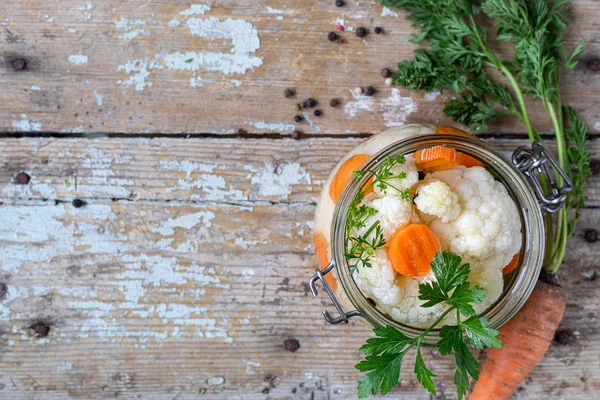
[186,267]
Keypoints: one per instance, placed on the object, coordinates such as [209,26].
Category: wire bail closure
[535,161]
[320,276]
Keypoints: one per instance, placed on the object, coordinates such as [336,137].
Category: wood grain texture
[189,287]
[165,67]
[192,170]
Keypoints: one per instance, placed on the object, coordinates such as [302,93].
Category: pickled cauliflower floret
[488,229]
[393,213]
[437,199]
[395,294]
[410,173]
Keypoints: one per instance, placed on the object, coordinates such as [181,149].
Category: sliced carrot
[321,250]
[345,174]
[443,129]
[469,161]
[525,339]
[437,158]
[412,249]
[512,265]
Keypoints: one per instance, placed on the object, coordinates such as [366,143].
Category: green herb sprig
[458,57]
[361,248]
[385,353]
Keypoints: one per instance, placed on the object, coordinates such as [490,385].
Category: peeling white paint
[216,380]
[250,365]
[72,30]
[310,122]
[24,125]
[395,109]
[387,12]
[138,71]
[132,28]
[248,272]
[431,96]
[236,83]
[270,126]
[88,12]
[212,187]
[99,98]
[203,218]
[597,126]
[245,244]
[196,9]
[174,23]
[277,180]
[78,59]
[35,88]
[271,10]
[244,39]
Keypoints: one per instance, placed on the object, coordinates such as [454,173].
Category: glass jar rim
[523,282]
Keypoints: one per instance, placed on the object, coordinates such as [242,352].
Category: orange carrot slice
[412,249]
[512,265]
[469,161]
[345,174]
[437,158]
[321,250]
[443,129]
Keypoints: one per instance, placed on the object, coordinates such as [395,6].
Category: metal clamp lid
[320,275]
[536,161]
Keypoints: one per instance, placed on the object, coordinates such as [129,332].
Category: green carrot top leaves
[458,57]
[385,353]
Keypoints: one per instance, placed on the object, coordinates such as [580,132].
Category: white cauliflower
[437,199]
[393,213]
[395,294]
[488,229]
[412,177]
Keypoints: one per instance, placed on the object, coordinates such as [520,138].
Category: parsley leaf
[465,295]
[389,340]
[386,351]
[448,271]
[424,375]
[385,373]
[479,334]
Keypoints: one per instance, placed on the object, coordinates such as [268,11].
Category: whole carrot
[526,337]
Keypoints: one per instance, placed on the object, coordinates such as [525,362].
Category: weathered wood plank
[201,170]
[163,66]
[170,301]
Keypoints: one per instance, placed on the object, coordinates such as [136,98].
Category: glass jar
[520,177]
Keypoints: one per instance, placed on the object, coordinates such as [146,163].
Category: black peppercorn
[78,203]
[421,175]
[339,3]
[594,65]
[310,102]
[378,30]
[317,113]
[296,135]
[370,91]
[22,178]
[298,118]
[39,330]
[590,235]
[386,72]
[20,64]
[595,166]
[304,104]
[361,32]
[291,345]
[334,102]
[332,36]
[288,93]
